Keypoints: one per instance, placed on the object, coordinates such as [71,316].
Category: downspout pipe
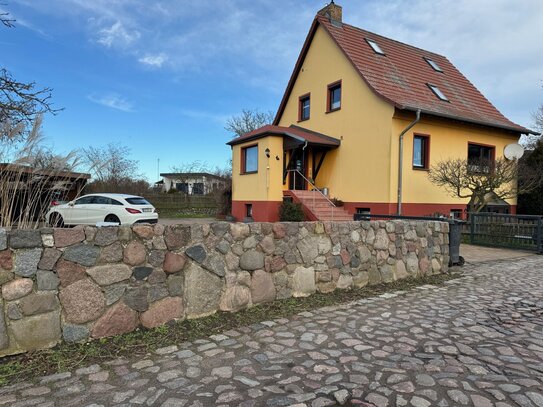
[400,161]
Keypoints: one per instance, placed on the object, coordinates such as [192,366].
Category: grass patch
[67,357]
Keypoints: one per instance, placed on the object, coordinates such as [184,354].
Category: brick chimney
[333,12]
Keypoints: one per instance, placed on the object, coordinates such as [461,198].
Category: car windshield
[137,201]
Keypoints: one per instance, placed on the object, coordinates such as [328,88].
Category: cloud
[116,36]
[205,115]
[113,101]
[155,61]
[256,42]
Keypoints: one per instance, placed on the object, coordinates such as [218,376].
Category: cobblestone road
[477,341]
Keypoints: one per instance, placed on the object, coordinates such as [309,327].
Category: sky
[162,77]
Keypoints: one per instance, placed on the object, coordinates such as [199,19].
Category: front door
[297,167]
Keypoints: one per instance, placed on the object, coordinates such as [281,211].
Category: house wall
[359,170]
[170,183]
[79,284]
[263,189]
[448,140]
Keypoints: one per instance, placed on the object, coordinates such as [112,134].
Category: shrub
[291,212]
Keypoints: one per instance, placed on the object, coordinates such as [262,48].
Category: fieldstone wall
[87,282]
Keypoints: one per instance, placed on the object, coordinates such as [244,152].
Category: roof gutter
[400,161]
[520,129]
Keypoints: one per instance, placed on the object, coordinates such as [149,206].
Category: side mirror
[71,203]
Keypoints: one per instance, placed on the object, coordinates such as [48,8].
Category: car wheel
[112,218]
[56,220]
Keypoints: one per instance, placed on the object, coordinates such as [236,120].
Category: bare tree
[20,102]
[113,170]
[111,162]
[484,180]
[5,18]
[537,116]
[248,121]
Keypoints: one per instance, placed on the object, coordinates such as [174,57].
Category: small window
[364,211]
[334,96]
[456,214]
[182,187]
[305,107]
[249,159]
[375,47]
[480,158]
[433,64]
[249,210]
[438,92]
[198,188]
[421,146]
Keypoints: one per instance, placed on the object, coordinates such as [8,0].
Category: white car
[94,208]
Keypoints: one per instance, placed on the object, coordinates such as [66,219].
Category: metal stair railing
[296,173]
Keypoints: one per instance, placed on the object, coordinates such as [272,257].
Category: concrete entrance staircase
[317,207]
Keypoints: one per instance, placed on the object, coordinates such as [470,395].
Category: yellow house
[362,120]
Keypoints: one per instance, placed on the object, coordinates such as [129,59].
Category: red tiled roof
[402,75]
[295,132]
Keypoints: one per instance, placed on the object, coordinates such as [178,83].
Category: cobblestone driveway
[478,341]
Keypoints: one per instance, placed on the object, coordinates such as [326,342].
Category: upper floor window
[334,96]
[438,92]
[249,159]
[433,64]
[304,108]
[421,150]
[480,158]
[375,47]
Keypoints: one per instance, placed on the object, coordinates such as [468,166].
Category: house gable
[362,123]
[407,77]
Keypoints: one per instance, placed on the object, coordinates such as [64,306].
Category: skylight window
[375,47]
[433,64]
[438,92]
